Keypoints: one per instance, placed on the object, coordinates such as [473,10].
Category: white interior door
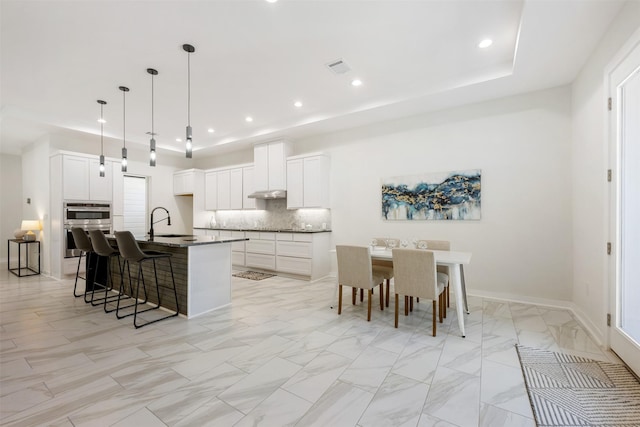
[624,89]
[135,205]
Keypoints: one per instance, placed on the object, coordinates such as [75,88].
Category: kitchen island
[201,267]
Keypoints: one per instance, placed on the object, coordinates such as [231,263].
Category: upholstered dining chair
[438,245]
[355,270]
[384,267]
[416,276]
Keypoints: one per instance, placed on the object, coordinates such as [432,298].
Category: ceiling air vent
[338,66]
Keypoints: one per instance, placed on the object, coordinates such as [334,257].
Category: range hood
[269,194]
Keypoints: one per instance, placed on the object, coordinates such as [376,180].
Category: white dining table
[455,260]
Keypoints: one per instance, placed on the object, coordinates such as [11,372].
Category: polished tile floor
[280,355]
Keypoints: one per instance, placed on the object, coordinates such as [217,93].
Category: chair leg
[387,295]
[381,296]
[339,299]
[396,310]
[434,318]
[369,305]
[406,305]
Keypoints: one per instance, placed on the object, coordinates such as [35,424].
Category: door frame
[611,210]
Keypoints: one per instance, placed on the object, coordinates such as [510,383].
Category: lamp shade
[29,225]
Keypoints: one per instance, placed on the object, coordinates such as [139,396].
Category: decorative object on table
[566,390]
[29,226]
[253,275]
[436,196]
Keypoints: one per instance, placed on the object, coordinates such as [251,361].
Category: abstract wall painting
[434,196]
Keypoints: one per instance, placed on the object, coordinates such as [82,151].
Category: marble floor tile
[279,355]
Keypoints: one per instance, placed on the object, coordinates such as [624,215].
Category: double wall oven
[88,216]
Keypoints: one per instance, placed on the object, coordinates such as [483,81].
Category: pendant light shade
[102,104]
[152,143]
[124,121]
[189,146]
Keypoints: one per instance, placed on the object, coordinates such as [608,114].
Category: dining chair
[438,245]
[416,276]
[384,267]
[355,270]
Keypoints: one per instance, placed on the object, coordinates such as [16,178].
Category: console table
[18,271]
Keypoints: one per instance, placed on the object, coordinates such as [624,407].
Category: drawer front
[300,237]
[261,247]
[284,236]
[295,249]
[267,262]
[237,258]
[301,266]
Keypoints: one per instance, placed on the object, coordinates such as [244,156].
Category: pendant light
[152,143]
[124,120]
[102,104]
[189,49]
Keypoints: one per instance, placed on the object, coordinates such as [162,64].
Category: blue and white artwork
[434,196]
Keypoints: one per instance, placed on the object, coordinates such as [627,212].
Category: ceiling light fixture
[485,43]
[152,143]
[124,120]
[356,82]
[297,104]
[189,146]
[102,122]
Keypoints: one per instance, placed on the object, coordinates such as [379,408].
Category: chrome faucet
[168,218]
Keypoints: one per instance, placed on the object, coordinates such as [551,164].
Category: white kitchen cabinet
[183,183]
[224,186]
[249,187]
[81,179]
[308,181]
[211,191]
[270,162]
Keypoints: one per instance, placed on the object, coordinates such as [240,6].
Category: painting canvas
[435,196]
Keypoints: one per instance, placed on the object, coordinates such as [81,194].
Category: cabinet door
[224,186]
[100,187]
[235,189]
[261,167]
[295,184]
[315,179]
[75,178]
[211,191]
[277,167]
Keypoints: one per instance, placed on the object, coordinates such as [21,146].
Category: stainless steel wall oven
[88,216]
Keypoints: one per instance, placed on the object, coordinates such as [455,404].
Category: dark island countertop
[182,241]
[267,230]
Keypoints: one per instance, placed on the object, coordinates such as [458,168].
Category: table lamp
[29,225]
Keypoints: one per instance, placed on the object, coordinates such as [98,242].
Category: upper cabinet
[183,182]
[270,165]
[81,179]
[308,181]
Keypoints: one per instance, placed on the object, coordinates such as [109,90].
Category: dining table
[455,260]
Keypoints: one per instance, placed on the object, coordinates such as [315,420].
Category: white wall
[10,201]
[589,164]
[522,245]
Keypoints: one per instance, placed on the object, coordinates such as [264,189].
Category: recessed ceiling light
[178,140]
[102,121]
[211,130]
[485,43]
[297,104]
[249,119]
[356,82]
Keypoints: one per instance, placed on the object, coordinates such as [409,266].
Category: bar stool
[131,252]
[82,243]
[103,250]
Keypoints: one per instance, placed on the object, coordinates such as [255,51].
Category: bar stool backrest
[81,239]
[100,243]
[128,246]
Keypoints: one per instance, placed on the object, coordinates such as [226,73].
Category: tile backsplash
[276,215]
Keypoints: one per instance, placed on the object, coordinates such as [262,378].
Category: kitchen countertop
[184,241]
[266,230]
